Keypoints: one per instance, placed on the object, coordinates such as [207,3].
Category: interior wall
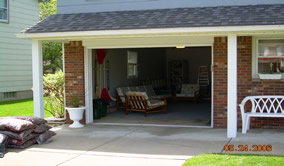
[151,65]
[196,56]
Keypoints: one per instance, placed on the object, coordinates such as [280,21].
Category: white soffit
[143,42]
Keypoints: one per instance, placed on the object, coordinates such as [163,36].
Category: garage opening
[179,76]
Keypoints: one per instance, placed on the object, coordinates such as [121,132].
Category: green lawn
[234,160]
[19,108]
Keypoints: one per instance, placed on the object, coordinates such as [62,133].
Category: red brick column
[74,74]
[244,70]
[220,82]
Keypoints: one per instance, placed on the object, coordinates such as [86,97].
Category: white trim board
[149,42]
[150,125]
[219,31]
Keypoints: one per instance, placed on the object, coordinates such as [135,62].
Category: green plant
[75,102]
[53,86]
[270,72]
[52,57]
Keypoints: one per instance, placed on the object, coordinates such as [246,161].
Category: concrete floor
[185,113]
[136,145]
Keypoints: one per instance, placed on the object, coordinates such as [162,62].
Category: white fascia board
[162,31]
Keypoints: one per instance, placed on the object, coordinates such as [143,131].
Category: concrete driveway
[136,145]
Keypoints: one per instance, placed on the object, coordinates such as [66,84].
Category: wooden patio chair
[139,101]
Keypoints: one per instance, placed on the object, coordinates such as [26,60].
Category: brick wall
[74,74]
[246,85]
[220,82]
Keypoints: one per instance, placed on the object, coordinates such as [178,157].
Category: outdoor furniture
[188,92]
[148,89]
[261,106]
[139,101]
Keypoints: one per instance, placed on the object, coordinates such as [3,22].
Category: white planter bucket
[76,114]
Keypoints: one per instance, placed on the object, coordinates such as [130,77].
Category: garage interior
[168,71]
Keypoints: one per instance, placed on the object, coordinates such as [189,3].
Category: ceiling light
[180,46]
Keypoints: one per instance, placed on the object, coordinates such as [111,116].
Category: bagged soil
[17,135]
[15,125]
[45,137]
[23,146]
[34,120]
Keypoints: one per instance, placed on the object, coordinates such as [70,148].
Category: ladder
[203,76]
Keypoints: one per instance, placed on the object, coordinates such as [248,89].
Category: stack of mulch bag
[23,132]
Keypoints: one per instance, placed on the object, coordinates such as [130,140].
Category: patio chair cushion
[141,89]
[149,90]
[122,92]
[152,103]
[189,88]
[133,88]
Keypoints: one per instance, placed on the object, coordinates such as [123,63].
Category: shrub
[53,86]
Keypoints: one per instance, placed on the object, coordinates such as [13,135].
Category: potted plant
[76,112]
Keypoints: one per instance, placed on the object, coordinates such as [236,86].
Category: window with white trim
[132,64]
[4,11]
[270,56]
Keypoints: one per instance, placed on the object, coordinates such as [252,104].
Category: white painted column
[232,87]
[88,84]
[37,78]
[63,68]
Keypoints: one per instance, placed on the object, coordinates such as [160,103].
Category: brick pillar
[74,74]
[220,82]
[244,70]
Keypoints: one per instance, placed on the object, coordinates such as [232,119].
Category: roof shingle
[163,18]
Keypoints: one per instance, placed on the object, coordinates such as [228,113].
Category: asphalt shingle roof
[163,18]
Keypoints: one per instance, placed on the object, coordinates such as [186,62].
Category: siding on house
[15,53]
[87,6]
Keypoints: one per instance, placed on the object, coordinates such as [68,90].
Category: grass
[19,108]
[234,160]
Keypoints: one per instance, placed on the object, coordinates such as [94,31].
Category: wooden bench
[139,101]
[261,106]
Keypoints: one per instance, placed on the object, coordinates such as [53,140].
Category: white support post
[88,84]
[37,78]
[63,66]
[232,87]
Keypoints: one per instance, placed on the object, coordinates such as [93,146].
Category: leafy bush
[52,57]
[53,86]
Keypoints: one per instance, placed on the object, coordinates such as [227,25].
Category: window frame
[135,64]
[5,21]
[255,53]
